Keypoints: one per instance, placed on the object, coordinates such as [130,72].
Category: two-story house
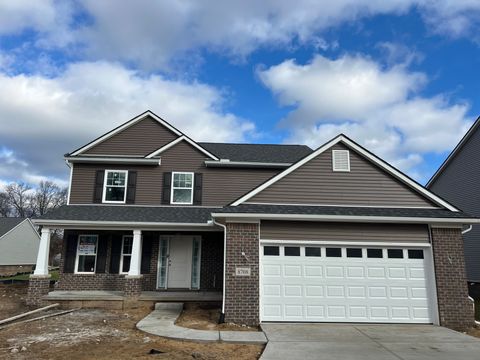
[274,232]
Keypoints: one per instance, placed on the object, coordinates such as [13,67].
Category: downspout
[222,314]
[470,298]
[467,229]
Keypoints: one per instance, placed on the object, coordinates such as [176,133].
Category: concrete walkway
[161,322]
[367,342]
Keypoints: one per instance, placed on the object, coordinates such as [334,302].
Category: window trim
[172,187]
[77,256]
[105,187]
[122,255]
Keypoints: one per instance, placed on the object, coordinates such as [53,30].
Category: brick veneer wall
[38,287]
[242,292]
[454,307]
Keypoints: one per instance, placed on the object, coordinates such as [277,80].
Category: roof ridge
[232,143]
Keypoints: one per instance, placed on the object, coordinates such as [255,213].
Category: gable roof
[454,152]
[8,223]
[363,152]
[175,142]
[124,126]
[263,153]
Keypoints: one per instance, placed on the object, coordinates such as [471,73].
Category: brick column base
[133,286]
[454,307]
[242,291]
[38,287]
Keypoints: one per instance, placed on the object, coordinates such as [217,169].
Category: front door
[180,262]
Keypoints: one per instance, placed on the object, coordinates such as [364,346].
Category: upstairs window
[115,188]
[182,188]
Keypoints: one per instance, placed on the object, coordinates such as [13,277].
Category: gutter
[349,218]
[222,314]
[111,160]
[129,224]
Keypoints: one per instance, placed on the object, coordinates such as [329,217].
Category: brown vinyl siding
[316,183]
[324,231]
[220,186]
[140,139]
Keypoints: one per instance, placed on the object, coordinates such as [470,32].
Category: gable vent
[341,160]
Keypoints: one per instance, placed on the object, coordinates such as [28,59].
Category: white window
[126,256]
[115,186]
[341,160]
[86,259]
[182,188]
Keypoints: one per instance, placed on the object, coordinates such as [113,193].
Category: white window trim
[105,187]
[334,154]
[77,256]
[122,255]
[173,187]
[199,267]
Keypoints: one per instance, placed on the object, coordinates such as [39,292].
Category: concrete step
[169,306]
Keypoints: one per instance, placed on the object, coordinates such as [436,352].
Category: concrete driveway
[372,342]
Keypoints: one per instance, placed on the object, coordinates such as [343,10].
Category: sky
[401,77]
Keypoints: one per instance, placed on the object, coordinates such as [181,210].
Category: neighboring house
[19,243]
[457,181]
[335,234]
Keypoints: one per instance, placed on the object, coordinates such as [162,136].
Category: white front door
[180,262]
[304,282]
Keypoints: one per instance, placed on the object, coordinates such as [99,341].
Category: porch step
[169,306]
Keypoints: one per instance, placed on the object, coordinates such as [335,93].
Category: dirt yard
[205,317]
[98,334]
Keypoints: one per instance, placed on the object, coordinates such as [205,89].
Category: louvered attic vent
[341,160]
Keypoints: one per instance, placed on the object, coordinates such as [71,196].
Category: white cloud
[152,33]
[42,118]
[378,106]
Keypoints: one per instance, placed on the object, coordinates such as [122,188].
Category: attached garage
[347,280]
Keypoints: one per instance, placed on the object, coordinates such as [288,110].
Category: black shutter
[167,187]
[98,190]
[146,254]
[131,187]
[101,254]
[197,191]
[116,252]
[70,252]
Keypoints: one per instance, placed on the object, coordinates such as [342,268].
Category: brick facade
[242,292]
[454,307]
[38,287]
[133,286]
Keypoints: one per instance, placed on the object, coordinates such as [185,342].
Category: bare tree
[4,205]
[47,196]
[19,198]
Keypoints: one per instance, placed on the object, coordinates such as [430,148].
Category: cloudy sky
[401,76]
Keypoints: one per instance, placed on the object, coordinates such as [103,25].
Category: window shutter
[98,190]
[197,191]
[167,187]
[70,252]
[146,254]
[131,187]
[101,254]
[115,258]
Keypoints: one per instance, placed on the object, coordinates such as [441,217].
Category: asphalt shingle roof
[160,214]
[346,211]
[7,224]
[268,153]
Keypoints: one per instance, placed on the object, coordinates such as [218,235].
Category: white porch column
[41,268]
[136,258]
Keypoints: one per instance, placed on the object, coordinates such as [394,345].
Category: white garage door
[346,284]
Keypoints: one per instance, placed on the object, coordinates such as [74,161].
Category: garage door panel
[342,289]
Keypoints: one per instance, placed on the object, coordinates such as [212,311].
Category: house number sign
[242,271]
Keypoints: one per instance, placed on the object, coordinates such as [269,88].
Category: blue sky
[399,77]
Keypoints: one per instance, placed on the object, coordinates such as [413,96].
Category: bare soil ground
[98,334]
[205,317]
